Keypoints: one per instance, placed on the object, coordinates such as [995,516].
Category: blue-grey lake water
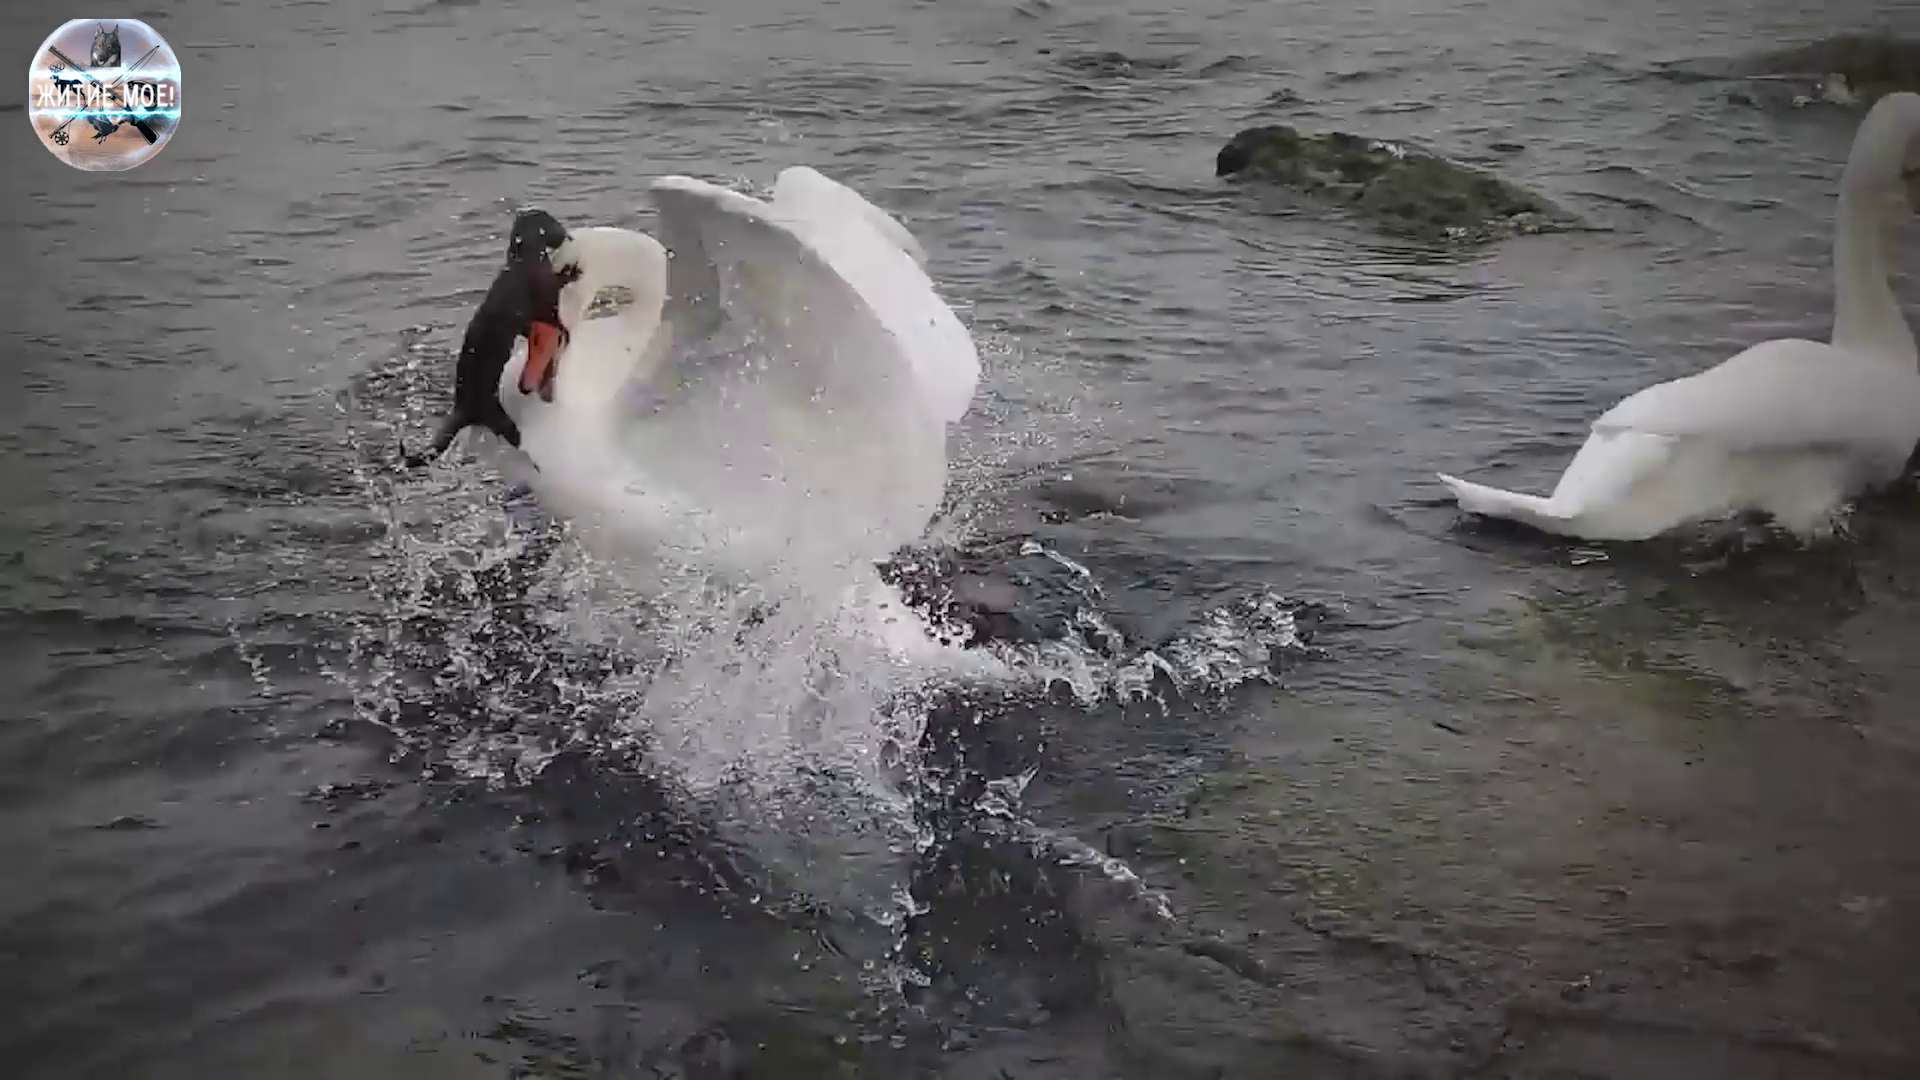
[289,788]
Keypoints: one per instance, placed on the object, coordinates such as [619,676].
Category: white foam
[786,698]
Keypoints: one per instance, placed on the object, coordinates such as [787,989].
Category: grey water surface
[1510,808]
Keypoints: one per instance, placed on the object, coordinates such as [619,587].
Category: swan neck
[1867,317]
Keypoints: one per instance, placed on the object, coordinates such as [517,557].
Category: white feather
[778,393]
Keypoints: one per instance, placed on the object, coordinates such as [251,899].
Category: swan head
[1884,167]
[522,302]
[584,264]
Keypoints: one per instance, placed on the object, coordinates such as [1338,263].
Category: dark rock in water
[1402,190]
[336,796]
[1109,64]
[1846,69]
[1868,66]
[1009,591]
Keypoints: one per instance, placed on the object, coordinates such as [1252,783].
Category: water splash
[791,729]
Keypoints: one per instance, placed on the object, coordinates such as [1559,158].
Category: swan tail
[1509,505]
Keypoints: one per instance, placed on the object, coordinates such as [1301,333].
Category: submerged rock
[1856,69]
[1010,590]
[1109,64]
[1846,69]
[1402,190]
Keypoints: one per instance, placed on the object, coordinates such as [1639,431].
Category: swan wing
[807,193]
[831,346]
[820,409]
[1610,465]
[693,302]
[1779,395]
[875,254]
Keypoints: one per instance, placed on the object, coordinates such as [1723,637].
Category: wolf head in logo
[106,45]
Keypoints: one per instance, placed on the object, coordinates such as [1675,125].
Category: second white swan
[1789,427]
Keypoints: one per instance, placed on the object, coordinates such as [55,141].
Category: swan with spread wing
[779,387]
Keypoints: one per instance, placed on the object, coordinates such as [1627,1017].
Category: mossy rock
[1872,65]
[1109,64]
[1403,191]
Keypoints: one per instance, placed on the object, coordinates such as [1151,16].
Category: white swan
[1790,427]
[775,394]
[787,374]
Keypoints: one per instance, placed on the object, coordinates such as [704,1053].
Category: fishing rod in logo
[104,129]
[133,110]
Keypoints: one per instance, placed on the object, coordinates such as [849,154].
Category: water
[1326,784]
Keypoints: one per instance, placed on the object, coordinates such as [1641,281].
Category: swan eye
[568,274]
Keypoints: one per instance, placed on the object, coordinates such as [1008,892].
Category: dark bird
[526,291]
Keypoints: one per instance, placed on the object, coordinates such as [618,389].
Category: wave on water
[794,736]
